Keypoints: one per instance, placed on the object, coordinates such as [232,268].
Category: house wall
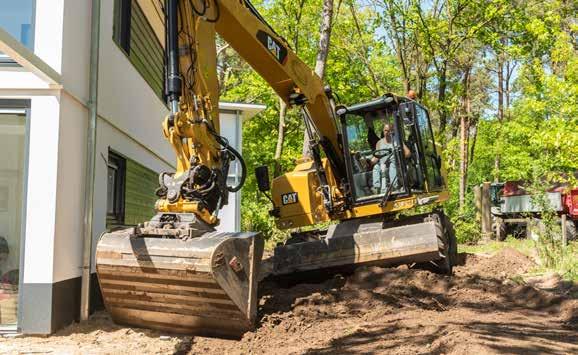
[52,264]
[48,31]
[129,104]
[129,122]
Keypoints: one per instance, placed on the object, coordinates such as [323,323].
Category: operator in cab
[385,163]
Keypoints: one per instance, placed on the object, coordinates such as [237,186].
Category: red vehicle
[513,207]
[571,204]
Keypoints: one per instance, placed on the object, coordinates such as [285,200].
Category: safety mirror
[262,175]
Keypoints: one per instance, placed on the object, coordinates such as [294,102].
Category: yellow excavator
[369,164]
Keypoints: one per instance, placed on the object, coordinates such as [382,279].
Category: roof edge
[27,59]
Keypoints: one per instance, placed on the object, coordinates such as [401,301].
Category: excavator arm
[193,93]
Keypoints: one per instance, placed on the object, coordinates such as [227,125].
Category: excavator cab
[391,165]
[389,150]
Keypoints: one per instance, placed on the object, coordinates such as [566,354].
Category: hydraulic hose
[243,170]
[223,141]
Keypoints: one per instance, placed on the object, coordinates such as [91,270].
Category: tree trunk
[442,77]
[500,57]
[500,88]
[322,54]
[324,38]
[510,68]
[473,145]
[507,92]
[278,169]
[464,122]
[500,112]
[463,157]
[280,138]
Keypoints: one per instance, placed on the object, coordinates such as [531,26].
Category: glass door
[12,163]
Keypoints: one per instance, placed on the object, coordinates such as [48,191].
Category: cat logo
[275,47]
[290,198]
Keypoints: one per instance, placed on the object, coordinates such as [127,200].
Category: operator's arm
[406,151]
[374,160]
[406,154]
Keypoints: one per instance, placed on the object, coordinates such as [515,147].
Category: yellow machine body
[176,272]
[299,202]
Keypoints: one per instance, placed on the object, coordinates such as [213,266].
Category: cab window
[432,168]
[374,166]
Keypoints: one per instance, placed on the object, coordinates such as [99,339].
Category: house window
[130,192]
[122,17]
[17,18]
[13,141]
[115,189]
[134,35]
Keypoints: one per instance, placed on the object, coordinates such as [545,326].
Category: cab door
[430,158]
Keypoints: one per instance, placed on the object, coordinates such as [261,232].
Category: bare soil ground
[485,308]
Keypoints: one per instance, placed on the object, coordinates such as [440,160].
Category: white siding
[230,215]
[70,190]
[48,31]
[76,47]
[41,195]
[124,97]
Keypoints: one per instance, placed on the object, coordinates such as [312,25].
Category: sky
[15,14]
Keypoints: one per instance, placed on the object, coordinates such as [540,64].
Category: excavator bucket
[204,286]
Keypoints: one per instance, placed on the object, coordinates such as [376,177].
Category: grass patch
[525,246]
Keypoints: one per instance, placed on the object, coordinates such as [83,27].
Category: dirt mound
[404,310]
[506,262]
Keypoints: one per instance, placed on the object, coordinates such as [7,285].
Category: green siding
[146,52]
[140,197]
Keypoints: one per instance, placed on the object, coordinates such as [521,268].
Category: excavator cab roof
[385,101]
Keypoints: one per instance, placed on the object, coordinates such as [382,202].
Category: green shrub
[468,230]
[256,219]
